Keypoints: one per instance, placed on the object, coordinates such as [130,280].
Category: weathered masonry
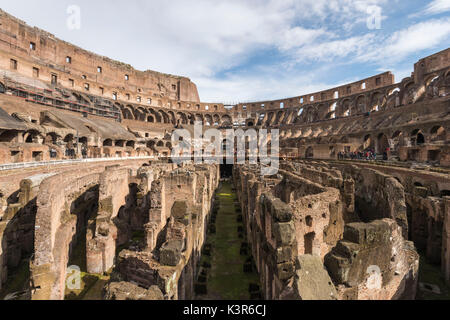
[359,209]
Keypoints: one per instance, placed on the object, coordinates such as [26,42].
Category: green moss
[432,274]
[18,279]
[226,279]
[91,284]
[138,236]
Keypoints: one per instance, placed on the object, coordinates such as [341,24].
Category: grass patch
[18,279]
[226,278]
[91,285]
[432,274]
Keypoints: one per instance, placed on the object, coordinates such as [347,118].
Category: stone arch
[182,118]
[279,117]
[309,153]
[199,117]
[172,118]
[438,133]
[127,112]
[108,143]
[69,138]
[417,137]
[164,117]
[382,143]
[345,108]
[208,120]
[368,142]
[139,114]
[52,138]
[2,88]
[119,143]
[226,120]
[397,139]
[216,120]
[376,102]
[31,136]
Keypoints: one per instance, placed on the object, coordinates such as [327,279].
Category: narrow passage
[227,269]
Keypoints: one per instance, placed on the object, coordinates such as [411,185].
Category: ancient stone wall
[289,218]
[180,204]
[74,67]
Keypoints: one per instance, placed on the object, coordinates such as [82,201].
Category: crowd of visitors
[369,154]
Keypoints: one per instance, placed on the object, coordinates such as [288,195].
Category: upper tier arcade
[32,52]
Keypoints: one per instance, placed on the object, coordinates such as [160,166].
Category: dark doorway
[226,171]
[309,241]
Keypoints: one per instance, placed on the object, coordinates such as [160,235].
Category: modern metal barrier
[24,165]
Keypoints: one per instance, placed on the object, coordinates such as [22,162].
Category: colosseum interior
[358,210]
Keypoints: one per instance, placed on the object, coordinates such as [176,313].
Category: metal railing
[25,165]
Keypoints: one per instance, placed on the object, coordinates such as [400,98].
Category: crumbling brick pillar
[446,241]
[102,235]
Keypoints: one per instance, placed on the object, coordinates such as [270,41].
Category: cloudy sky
[247,50]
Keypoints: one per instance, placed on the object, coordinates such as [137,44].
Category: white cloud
[438,6]
[205,39]
[327,51]
[421,36]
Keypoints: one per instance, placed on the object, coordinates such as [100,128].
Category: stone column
[446,241]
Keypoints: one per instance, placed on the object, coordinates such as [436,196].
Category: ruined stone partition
[56,228]
[102,234]
[17,225]
[286,218]
[446,242]
[180,204]
[339,231]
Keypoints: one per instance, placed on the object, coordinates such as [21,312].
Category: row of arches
[404,93]
[152,115]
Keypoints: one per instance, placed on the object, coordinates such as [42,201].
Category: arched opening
[360,105]
[368,142]
[309,154]
[309,242]
[51,138]
[8,136]
[120,143]
[345,109]
[107,143]
[332,152]
[31,137]
[131,144]
[383,144]
[376,102]
[438,133]
[309,221]
[68,138]
[417,137]
[127,114]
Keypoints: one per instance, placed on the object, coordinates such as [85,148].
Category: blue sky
[237,50]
